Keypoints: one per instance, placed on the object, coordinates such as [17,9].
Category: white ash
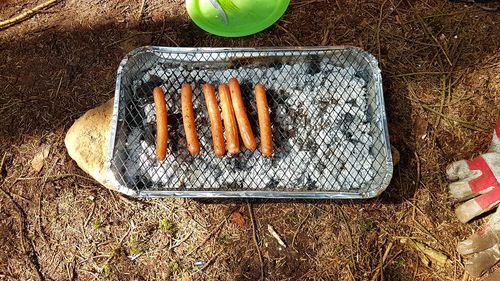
[320,130]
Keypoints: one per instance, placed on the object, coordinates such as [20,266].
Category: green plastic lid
[244,17]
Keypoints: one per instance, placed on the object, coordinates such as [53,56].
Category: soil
[440,64]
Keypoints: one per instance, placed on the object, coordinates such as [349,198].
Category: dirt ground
[441,72]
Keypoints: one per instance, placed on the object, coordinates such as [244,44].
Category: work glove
[478,181]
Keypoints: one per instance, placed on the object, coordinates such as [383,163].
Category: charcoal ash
[321,136]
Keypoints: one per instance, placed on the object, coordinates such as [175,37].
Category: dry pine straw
[440,68]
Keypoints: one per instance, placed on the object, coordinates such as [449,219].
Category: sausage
[230,127]
[188,119]
[161,123]
[266,138]
[215,119]
[246,132]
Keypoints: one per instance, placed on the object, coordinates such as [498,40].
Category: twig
[127,38]
[441,15]
[298,229]
[54,177]
[30,252]
[42,189]
[466,124]
[303,3]
[326,36]
[2,162]
[171,40]
[129,229]
[429,33]
[141,9]
[418,169]
[443,99]
[379,24]
[59,86]
[391,258]
[349,233]
[350,273]
[250,211]
[208,237]
[488,9]
[89,217]
[27,14]
[181,241]
[211,260]
[297,42]
[419,73]
[382,261]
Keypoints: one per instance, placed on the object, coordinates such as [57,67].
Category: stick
[436,256]
[3,161]
[30,252]
[209,262]
[208,237]
[141,8]
[381,265]
[298,229]
[378,28]
[250,211]
[420,73]
[418,169]
[27,14]
[349,233]
[466,124]
[54,177]
[42,233]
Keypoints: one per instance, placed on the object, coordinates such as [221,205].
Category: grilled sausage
[266,138]
[230,127]
[215,119]
[188,119]
[161,123]
[246,132]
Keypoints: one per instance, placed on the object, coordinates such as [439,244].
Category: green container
[244,17]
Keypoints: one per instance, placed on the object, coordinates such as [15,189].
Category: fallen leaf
[237,218]
[39,159]
[421,125]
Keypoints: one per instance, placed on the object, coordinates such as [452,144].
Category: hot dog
[161,123]
[215,119]
[231,130]
[241,115]
[188,119]
[266,139]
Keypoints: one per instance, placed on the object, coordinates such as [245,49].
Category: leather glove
[478,182]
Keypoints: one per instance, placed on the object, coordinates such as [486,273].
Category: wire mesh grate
[327,115]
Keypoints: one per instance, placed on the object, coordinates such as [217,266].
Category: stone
[87,142]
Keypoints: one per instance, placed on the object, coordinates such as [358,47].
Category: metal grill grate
[327,113]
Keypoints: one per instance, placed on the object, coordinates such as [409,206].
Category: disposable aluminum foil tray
[327,113]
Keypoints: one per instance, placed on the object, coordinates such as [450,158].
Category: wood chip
[39,159]
[435,256]
[276,235]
